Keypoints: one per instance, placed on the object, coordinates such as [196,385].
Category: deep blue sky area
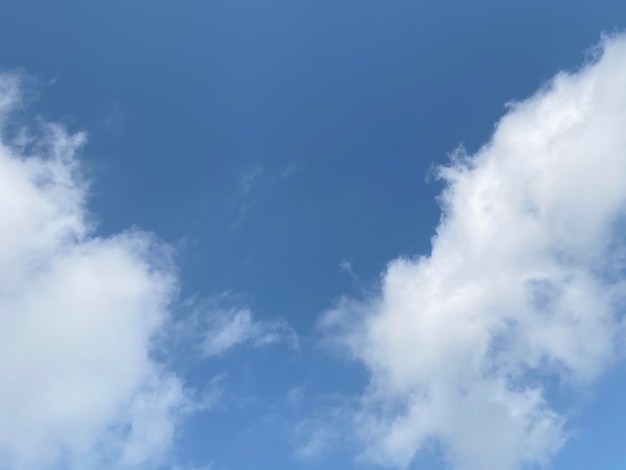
[269,141]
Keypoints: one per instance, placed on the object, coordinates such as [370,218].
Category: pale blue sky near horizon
[273,142]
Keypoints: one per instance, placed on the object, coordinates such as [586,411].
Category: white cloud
[79,386]
[525,277]
[228,328]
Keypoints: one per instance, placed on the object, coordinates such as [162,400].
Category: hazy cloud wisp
[226,329]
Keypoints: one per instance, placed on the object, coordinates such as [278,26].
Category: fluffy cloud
[79,314]
[226,329]
[524,284]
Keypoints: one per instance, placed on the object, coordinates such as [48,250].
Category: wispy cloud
[246,200]
[525,277]
[346,266]
[289,170]
[229,328]
[250,178]
[323,431]
[252,182]
[244,209]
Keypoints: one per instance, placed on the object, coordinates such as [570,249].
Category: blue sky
[271,158]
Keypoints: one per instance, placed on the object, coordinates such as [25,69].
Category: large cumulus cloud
[524,285]
[79,313]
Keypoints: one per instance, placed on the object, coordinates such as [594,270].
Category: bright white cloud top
[79,386]
[526,276]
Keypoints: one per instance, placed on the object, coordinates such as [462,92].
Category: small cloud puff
[229,328]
